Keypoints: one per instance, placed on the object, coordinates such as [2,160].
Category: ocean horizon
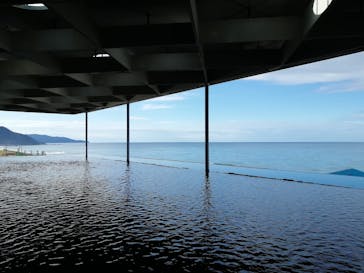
[316,162]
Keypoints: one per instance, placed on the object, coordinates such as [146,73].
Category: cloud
[30,124]
[66,127]
[162,102]
[342,74]
[159,102]
[150,106]
[355,119]
[300,75]
[174,97]
[344,86]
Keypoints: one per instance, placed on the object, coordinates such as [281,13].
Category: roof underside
[158,47]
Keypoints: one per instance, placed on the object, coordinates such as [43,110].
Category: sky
[323,101]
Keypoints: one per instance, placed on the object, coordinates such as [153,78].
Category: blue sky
[323,101]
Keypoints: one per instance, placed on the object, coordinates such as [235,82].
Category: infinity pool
[68,215]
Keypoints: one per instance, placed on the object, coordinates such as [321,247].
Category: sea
[316,157]
[265,207]
[336,163]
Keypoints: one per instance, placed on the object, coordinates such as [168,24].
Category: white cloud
[345,128]
[150,106]
[355,119]
[343,74]
[31,125]
[159,102]
[173,97]
[344,86]
[300,75]
[162,102]
[66,127]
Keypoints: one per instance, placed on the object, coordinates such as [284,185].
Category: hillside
[8,137]
[51,139]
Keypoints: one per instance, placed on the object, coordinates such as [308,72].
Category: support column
[127,133]
[196,30]
[207,165]
[86,135]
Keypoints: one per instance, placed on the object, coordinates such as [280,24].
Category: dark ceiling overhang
[75,56]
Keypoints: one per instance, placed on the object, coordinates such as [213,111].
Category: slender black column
[86,135]
[127,133]
[207,167]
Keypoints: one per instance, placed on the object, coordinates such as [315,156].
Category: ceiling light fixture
[33,6]
[319,6]
[101,55]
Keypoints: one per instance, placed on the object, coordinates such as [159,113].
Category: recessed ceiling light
[101,55]
[33,6]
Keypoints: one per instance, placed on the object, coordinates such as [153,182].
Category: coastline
[19,152]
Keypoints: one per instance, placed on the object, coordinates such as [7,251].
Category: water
[66,215]
[338,164]
[304,157]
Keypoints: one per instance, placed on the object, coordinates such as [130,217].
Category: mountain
[8,137]
[350,172]
[51,139]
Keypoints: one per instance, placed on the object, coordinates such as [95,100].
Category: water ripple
[76,216]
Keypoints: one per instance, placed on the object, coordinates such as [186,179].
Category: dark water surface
[72,216]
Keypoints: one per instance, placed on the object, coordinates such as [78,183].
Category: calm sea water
[303,157]
[68,215]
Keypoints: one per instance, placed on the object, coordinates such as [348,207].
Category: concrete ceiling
[157,47]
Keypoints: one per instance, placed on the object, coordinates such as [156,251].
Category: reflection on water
[76,216]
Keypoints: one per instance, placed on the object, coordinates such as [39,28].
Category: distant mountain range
[51,139]
[8,137]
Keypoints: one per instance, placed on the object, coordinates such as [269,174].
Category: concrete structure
[81,56]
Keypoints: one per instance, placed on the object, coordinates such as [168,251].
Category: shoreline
[7,152]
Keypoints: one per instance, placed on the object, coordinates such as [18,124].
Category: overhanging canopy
[76,56]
